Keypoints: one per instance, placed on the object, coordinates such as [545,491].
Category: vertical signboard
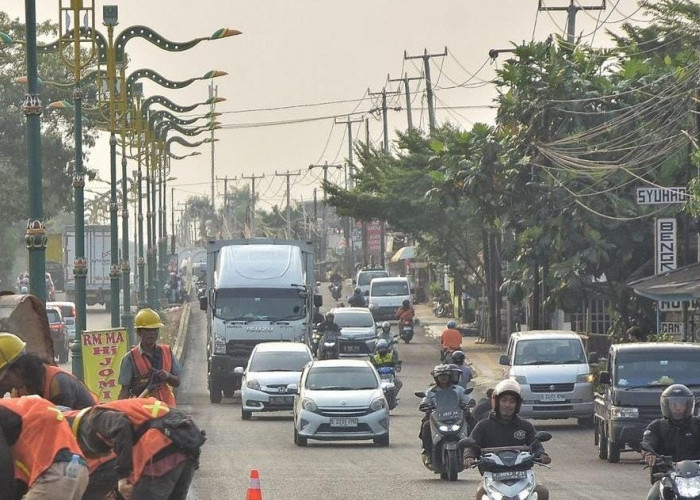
[374,237]
[665,245]
[103,351]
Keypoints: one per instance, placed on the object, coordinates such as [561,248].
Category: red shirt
[451,339]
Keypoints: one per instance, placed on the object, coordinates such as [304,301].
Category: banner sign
[665,245]
[671,328]
[661,196]
[374,236]
[103,351]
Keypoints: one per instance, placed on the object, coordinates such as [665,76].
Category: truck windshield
[650,368]
[391,289]
[366,276]
[549,352]
[259,304]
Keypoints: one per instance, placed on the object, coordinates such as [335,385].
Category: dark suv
[59,334]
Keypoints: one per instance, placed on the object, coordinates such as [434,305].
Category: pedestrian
[24,373]
[39,457]
[149,365]
[156,447]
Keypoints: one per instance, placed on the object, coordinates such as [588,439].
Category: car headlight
[584,377]
[251,383]
[219,344]
[623,412]
[688,487]
[521,379]
[449,427]
[377,404]
[309,405]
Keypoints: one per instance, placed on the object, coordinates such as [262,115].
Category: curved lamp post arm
[164,82]
[164,101]
[187,144]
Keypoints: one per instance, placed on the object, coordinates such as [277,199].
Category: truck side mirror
[203,302]
[504,360]
[604,377]
[318,300]
[593,357]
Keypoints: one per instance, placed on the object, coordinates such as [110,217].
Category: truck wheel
[585,422]
[229,392]
[613,452]
[214,392]
[602,442]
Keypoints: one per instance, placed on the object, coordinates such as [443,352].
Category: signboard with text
[665,246]
[374,237]
[661,196]
[103,351]
[671,328]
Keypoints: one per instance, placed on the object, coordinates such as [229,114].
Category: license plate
[511,474]
[343,422]
[281,400]
[351,348]
[552,397]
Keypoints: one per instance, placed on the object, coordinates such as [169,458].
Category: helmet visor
[678,407]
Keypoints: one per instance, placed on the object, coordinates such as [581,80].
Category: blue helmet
[451,324]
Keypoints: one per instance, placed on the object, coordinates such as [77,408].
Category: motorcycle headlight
[377,404]
[584,377]
[251,383]
[309,405]
[219,344]
[449,427]
[688,487]
[493,492]
[623,412]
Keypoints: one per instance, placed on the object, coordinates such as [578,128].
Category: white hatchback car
[272,367]
[340,399]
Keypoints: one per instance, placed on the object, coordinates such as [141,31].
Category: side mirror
[239,370]
[593,357]
[468,390]
[504,360]
[318,300]
[420,394]
[203,303]
[604,378]
[293,388]
[542,436]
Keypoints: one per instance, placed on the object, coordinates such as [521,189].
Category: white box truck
[99,257]
[258,290]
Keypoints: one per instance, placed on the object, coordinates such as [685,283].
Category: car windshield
[549,352]
[260,304]
[354,320]
[341,378]
[279,361]
[653,368]
[53,316]
[366,276]
[389,289]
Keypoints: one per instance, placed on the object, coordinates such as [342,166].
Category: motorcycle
[679,480]
[201,287]
[449,430]
[315,340]
[406,331]
[387,375]
[328,347]
[336,290]
[507,471]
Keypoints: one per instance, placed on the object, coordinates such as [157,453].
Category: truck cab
[631,387]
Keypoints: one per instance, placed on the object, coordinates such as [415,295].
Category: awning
[677,285]
[404,253]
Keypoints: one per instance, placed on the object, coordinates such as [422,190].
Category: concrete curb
[182,330]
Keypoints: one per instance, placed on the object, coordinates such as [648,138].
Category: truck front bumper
[626,432]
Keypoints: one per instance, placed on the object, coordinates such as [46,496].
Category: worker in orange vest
[149,464]
[38,453]
[149,365]
[23,373]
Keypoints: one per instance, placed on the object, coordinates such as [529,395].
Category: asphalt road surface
[359,470]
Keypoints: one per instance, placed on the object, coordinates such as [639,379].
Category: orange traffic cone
[254,491]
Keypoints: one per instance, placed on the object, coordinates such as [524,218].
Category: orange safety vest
[51,372]
[164,392]
[45,432]
[139,411]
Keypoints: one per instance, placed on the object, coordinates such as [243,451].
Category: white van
[386,295]
[553,372]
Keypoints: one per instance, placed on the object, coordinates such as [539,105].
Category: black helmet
[452,370]
[458,357]
[406,303]
[674,394]
[357,290]
[330,316]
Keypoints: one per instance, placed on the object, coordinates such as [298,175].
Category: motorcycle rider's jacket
[680,440]
[466,375]
[405,314]
[451,338]
[357,300]
[379,360]
[431,396]
[329,326]
[494,432]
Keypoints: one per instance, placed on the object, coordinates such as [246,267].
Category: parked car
[632,384]
[365,276]
[68,311]
[340,399]
[271,368]
[59,335]
[552,369]
[358,331]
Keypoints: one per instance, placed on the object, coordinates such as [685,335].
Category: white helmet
[386,326]
[507,386]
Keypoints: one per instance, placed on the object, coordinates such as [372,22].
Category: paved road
[360,470]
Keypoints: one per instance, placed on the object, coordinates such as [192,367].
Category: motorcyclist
[357,299]
[385,356]
[405,313]
[385,334]
[450,340]
[504,427]
[459,358]
[330,330]
[336,277]
[174,285]
[446,377]
[677,433]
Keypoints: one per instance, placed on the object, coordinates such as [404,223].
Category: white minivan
[552,370]
[386,295]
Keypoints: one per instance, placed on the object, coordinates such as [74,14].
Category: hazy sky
[306,52]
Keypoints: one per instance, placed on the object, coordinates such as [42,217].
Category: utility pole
[252,201]
[289,201]
[325,168]
[428,82]
[405,80]
[213,92]
[350,173]
[385,119]
[571,12]
[225,179]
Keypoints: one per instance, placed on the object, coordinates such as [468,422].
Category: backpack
[180,429]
